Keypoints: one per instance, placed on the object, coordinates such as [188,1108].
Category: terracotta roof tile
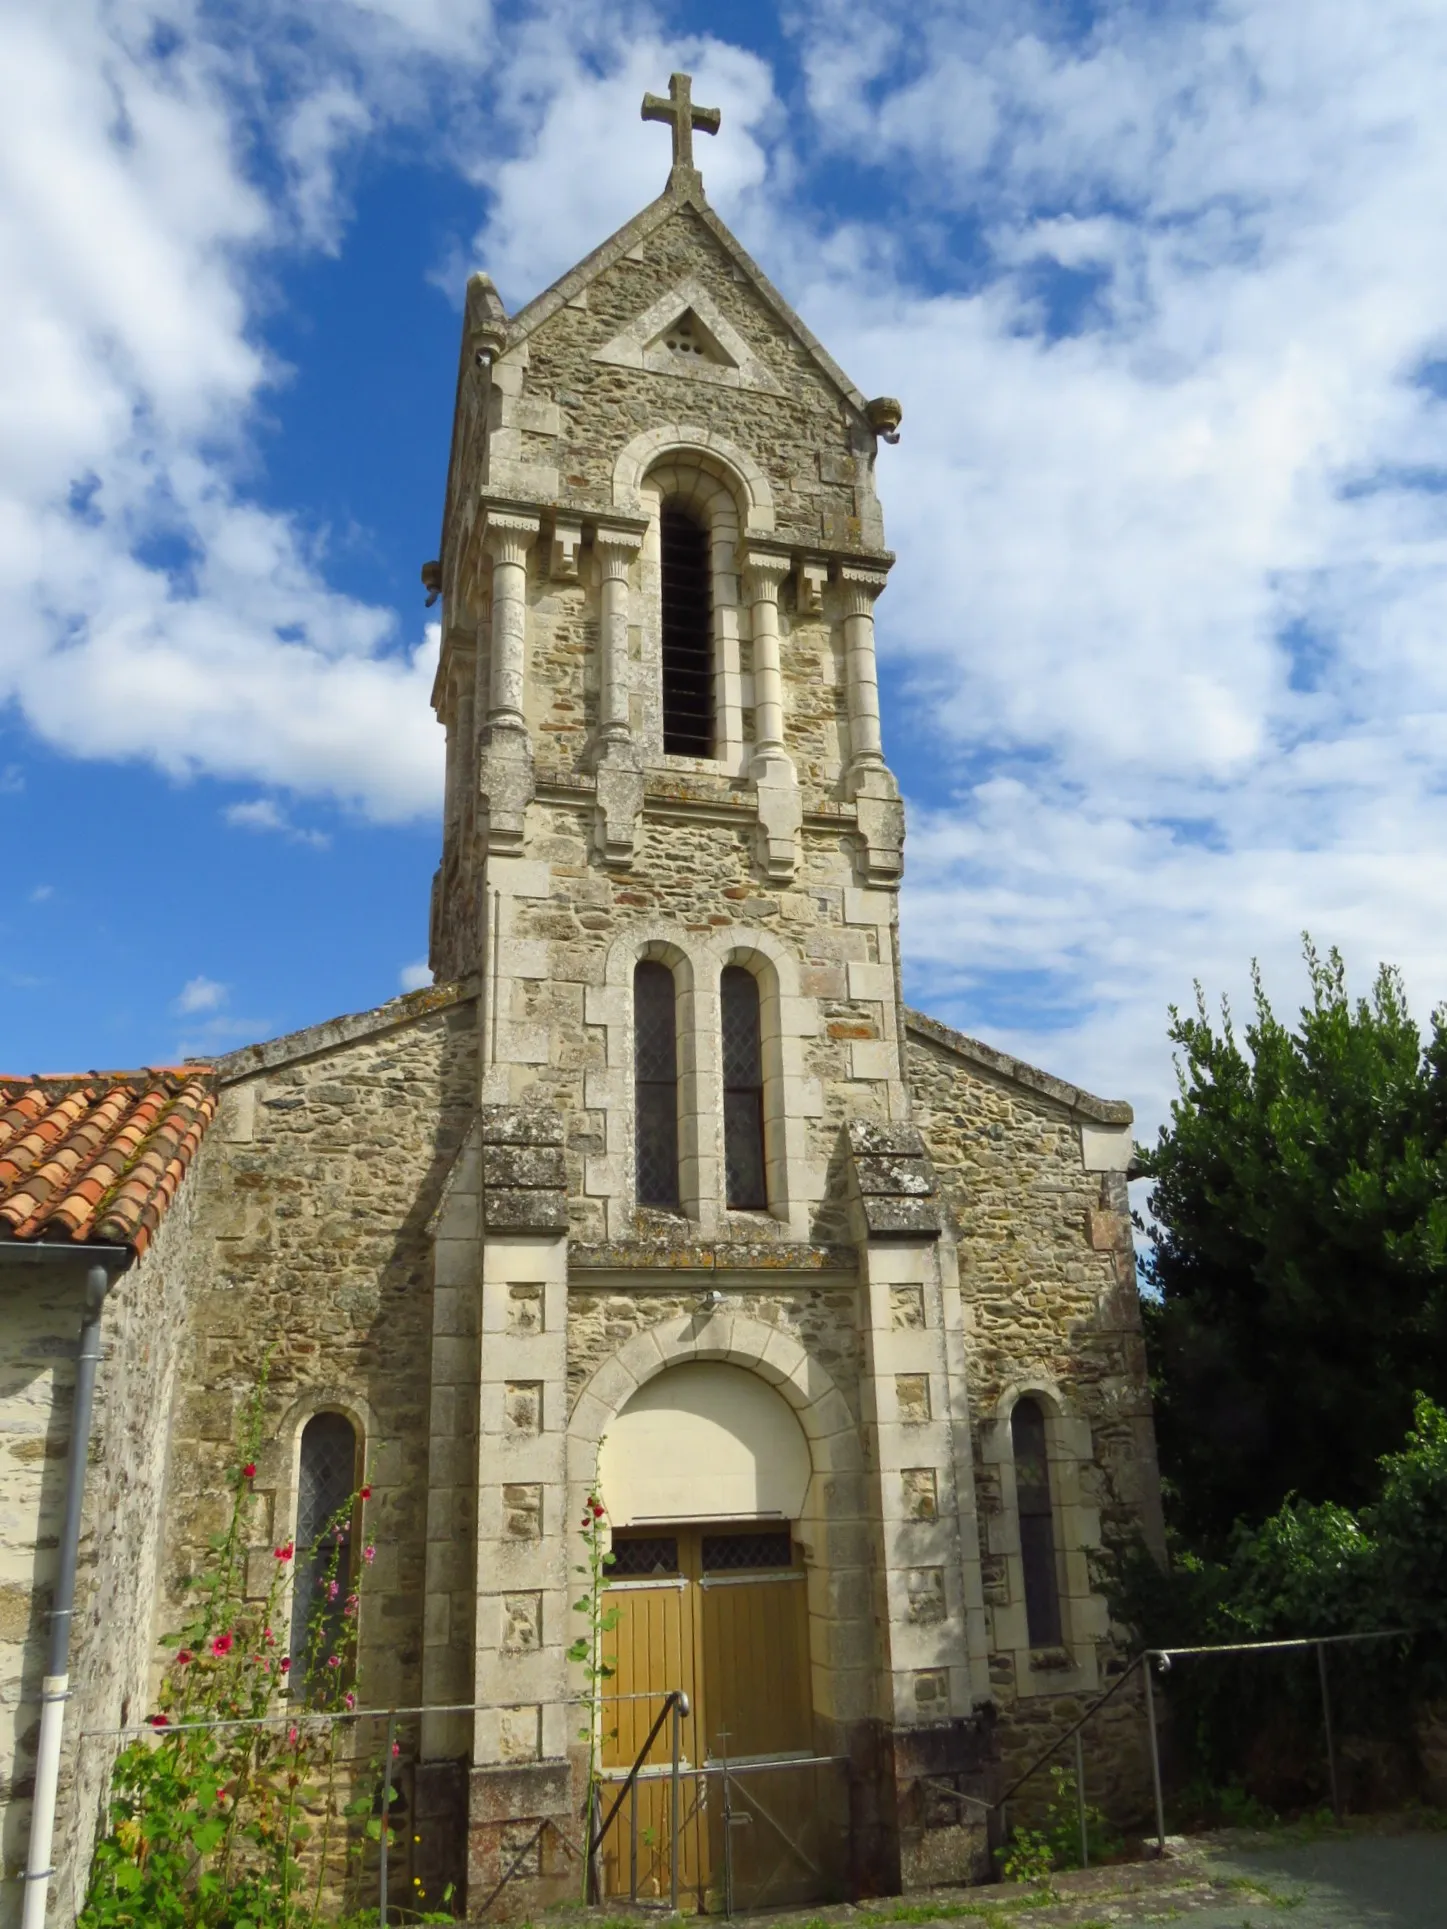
[100,1156]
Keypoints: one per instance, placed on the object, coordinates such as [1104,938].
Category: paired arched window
[688,723]
[745,1184]
[326,1482]
[655,1077]
[1037,1524]
[655,1087]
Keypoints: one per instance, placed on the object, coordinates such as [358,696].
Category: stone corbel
[505,768]
[811,576]
[616,763]
[567,539]
[776,783]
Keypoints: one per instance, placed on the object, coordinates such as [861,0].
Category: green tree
[1299,1251]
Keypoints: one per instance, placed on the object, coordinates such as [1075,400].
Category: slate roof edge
[333,1033]
[1101,1111]
[534,313]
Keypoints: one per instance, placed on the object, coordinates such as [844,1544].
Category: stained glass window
[1037,1524]
[743,1091]
[327,1480]
[655,1073]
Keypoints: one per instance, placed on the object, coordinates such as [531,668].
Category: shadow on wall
[38,1338]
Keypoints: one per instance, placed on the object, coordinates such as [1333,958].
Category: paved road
[1362,1882]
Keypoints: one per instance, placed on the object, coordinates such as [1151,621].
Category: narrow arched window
[743,1071]
[687,635]
[1037,1524]
[655,1078]
[326,1483]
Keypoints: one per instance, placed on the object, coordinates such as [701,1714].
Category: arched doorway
[705,1472]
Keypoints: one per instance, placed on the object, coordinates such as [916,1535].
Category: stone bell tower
[661,555]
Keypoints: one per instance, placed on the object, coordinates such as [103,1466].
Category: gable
[636,241]
[684,332]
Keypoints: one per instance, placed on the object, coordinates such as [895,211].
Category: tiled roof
[98,1158]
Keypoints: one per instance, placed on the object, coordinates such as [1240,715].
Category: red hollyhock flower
[249,1470]
[286,1664]
[222,1644]
[158,1721]
[366,1493]
[597,1509]
[285,1553]
[185,1658]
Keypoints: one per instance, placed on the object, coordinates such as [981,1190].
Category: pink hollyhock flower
[222,1644]
[333,1661]
[334,1588]
[349,1700]
[291,1736]
[286,1664]
[369,1553]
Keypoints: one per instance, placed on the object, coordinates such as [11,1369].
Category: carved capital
[616,550]
[763,570]
[508,536]
[859,588]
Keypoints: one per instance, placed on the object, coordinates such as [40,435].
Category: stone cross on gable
[684,116]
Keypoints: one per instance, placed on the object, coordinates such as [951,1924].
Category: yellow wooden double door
[719,1612]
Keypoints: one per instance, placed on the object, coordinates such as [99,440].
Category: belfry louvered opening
[655,1084]
[687,634]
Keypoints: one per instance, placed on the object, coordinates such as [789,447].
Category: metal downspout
[56,1689]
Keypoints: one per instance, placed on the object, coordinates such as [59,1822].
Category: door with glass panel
[720,1612]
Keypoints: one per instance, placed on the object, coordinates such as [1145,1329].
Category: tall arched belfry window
[743,1071]
[655,1076]
[1037,1524]
[327,1479]
[687,635]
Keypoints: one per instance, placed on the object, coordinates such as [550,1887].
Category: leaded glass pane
[723,1553]
[655,1047]
[744,1173]
[644,1554]
[1037,1524]
[326,1481]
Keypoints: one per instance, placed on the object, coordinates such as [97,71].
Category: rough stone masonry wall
[696,876]
[1048,1283]
[327,1161]
[116,1579]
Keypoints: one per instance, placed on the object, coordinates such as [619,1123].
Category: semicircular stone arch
[700,446]
[734,1339]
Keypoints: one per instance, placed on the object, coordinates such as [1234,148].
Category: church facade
[660,1196]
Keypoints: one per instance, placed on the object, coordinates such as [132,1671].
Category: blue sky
[1163,289]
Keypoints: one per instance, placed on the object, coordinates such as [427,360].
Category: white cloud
[201,994]
[1156,292]
[265,814]
[130,228]
[415,977]
[41,892]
